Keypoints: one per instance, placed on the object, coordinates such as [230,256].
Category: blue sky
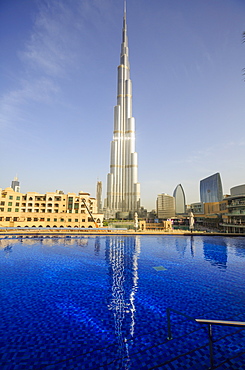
[58,88]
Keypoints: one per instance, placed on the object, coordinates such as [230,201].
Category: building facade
[165,206]
[234,220]
[180,204]
[53,209]
[211,189]
[123,189]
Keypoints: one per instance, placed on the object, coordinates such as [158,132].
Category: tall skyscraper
[99,196]
[15,184]
[211,189]
[123,189]
[179,196]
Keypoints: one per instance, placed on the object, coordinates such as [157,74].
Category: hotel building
[52,209]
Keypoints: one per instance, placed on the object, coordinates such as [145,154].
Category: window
[11,197]
[23,204]
[56,205]
[76,205]
[42,219]
[15,218]
[49,204]
[9,209]
[30,198]
[76,219]
[1,209]
[35,219]
[83,220]
[55,219]
[17,204]
[29,204]
[8,218]
[1,218]
[69,219]
[76,211]
[16,210]
[29,210]
[61,220]
[9,203]
[28,218]
[2,203]
[17,198]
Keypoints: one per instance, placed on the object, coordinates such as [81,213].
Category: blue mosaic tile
[98,302]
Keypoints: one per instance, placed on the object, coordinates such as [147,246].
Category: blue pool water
[100,302]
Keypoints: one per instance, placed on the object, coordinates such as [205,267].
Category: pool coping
[81,232]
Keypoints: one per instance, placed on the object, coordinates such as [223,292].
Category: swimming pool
[99,302]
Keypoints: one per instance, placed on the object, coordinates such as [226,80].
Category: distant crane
[96,225]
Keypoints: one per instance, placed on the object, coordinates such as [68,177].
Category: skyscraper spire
[123,189]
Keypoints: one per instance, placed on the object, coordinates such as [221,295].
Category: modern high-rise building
[123,189]
[211,189]
[15,185]
[165,206]
[99,196]
[179,195]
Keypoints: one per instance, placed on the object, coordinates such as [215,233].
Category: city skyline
[58,91]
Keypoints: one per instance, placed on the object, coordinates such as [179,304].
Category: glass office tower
[211,189]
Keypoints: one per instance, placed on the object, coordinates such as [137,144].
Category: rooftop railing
[206,322]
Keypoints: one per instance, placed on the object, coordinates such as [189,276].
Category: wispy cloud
[59,43]
[50,48]
[49,54]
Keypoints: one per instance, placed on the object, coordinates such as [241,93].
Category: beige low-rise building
[53,209]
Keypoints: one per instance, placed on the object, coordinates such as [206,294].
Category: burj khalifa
[123,189]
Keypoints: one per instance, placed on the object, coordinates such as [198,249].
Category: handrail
[221,322]
[203,321]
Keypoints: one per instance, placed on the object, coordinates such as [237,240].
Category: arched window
[40,226]
[47,226]
[33,225]
[90,226]
[54,226]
